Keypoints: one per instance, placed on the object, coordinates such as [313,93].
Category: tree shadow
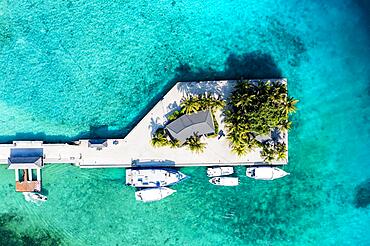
[362,197]
[253,65]
[154,125]
[40,136]
[95,132]
[276,135]
[173,106]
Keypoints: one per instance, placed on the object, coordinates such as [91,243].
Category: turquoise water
[67,68]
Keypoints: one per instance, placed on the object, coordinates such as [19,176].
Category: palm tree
[194,144]
[253,143]
[290,105]
[174,115]
[159,138]
[281,151]
[281,155]
[174,143]
[268,151]
[286,125]
[205,102]
[217,103]
[238,149]
[210,102]
[256,108]
[190,105]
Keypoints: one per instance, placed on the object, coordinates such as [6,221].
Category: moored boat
[225,181]
[34,197]
[153,177]
[265,173]
[153,194]
[219,171]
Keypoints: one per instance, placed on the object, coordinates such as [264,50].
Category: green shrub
[194,144]
[176,114]
[160,138]
[256,109]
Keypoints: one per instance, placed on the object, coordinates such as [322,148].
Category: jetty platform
[135,149]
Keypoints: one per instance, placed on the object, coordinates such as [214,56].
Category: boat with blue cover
[153,177]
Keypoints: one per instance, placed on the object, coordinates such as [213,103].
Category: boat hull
[34,197]
[151,178]
[265,173]
[225,181]
[219,171]
[153,194]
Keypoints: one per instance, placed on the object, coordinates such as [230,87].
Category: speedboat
[225,181]
[153,177]
[219,171]
[153,194]
[265,173]
[34,197]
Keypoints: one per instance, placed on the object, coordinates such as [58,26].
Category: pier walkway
[135,149]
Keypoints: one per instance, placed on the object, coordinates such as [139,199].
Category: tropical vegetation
[272,150]
[160,138]
[256,109]
[189,105]
[197,103]
[194,144]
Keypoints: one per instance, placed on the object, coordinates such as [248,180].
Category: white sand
[136,145]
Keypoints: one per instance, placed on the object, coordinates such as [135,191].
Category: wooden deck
[28,186]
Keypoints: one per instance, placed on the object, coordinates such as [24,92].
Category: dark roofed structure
[99,144]
[25,158]
[199,123]
[25,162]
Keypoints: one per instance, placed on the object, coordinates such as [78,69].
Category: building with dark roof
[199,123]
[27,163]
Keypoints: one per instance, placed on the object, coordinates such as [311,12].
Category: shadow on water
[253,65]
[44,192]
[95,132]
[364,6]
[11,237]
[362,197]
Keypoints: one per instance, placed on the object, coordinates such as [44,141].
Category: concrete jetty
[135,149]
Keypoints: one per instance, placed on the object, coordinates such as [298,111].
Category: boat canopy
[263,173]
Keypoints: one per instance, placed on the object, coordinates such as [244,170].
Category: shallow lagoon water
[69,67]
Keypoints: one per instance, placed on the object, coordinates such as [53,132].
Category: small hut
[199,123]
[27,172]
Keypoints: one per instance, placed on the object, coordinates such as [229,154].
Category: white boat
[153,177]
[225,181]
[265,173]
[153,194]
[34,197]
[219,171]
